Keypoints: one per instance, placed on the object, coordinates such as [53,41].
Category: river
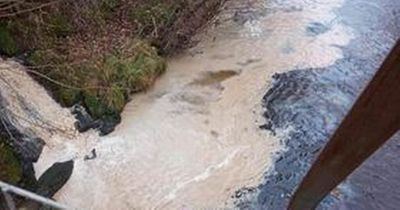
[194,141]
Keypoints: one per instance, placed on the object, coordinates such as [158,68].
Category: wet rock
[28,181]
[54,178]
[107,125]
[238,194]
[267,126]
[25,147]
[84,122]
[92,155]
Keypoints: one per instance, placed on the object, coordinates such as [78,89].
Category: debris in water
[92,155]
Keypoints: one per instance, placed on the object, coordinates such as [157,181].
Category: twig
[9,6]
[29,9]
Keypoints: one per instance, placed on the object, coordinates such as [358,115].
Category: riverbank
[98,53]
[194,140]
[236,120]
[94,53]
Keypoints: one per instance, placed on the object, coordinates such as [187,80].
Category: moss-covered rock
[120,76]
[102,85]
[11,171]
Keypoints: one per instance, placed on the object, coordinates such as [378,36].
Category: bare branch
[29,9]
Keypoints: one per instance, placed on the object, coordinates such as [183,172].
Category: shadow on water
[211,78]
[313,101]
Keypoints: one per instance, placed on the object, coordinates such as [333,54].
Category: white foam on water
[182,144]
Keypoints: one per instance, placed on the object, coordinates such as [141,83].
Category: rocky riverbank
[97,53]
[93,54]
[194,139]
[199,139]
[18,150]
[20,144]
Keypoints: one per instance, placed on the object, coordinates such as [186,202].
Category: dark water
[313,101]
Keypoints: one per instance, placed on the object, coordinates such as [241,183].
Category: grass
[104,84]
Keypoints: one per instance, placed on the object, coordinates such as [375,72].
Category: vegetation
[9,164]
[95,52]
[98,52]
[83,53]
[7,43]
[102,84]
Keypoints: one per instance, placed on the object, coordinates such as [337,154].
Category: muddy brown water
[194,140]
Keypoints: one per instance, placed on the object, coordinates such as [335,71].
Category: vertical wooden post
[373,119]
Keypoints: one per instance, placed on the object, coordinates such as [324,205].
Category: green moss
[96,107]
[7,42]
[35,58]
[11,171]
[118,76]
[68,97]
[59,25]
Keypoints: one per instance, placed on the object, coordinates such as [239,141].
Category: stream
[235,121]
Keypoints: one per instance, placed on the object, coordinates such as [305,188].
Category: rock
[92,155]
[108,125]
[84,120]
[27,147]
[54,178]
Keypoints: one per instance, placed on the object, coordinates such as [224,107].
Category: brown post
[373,119]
